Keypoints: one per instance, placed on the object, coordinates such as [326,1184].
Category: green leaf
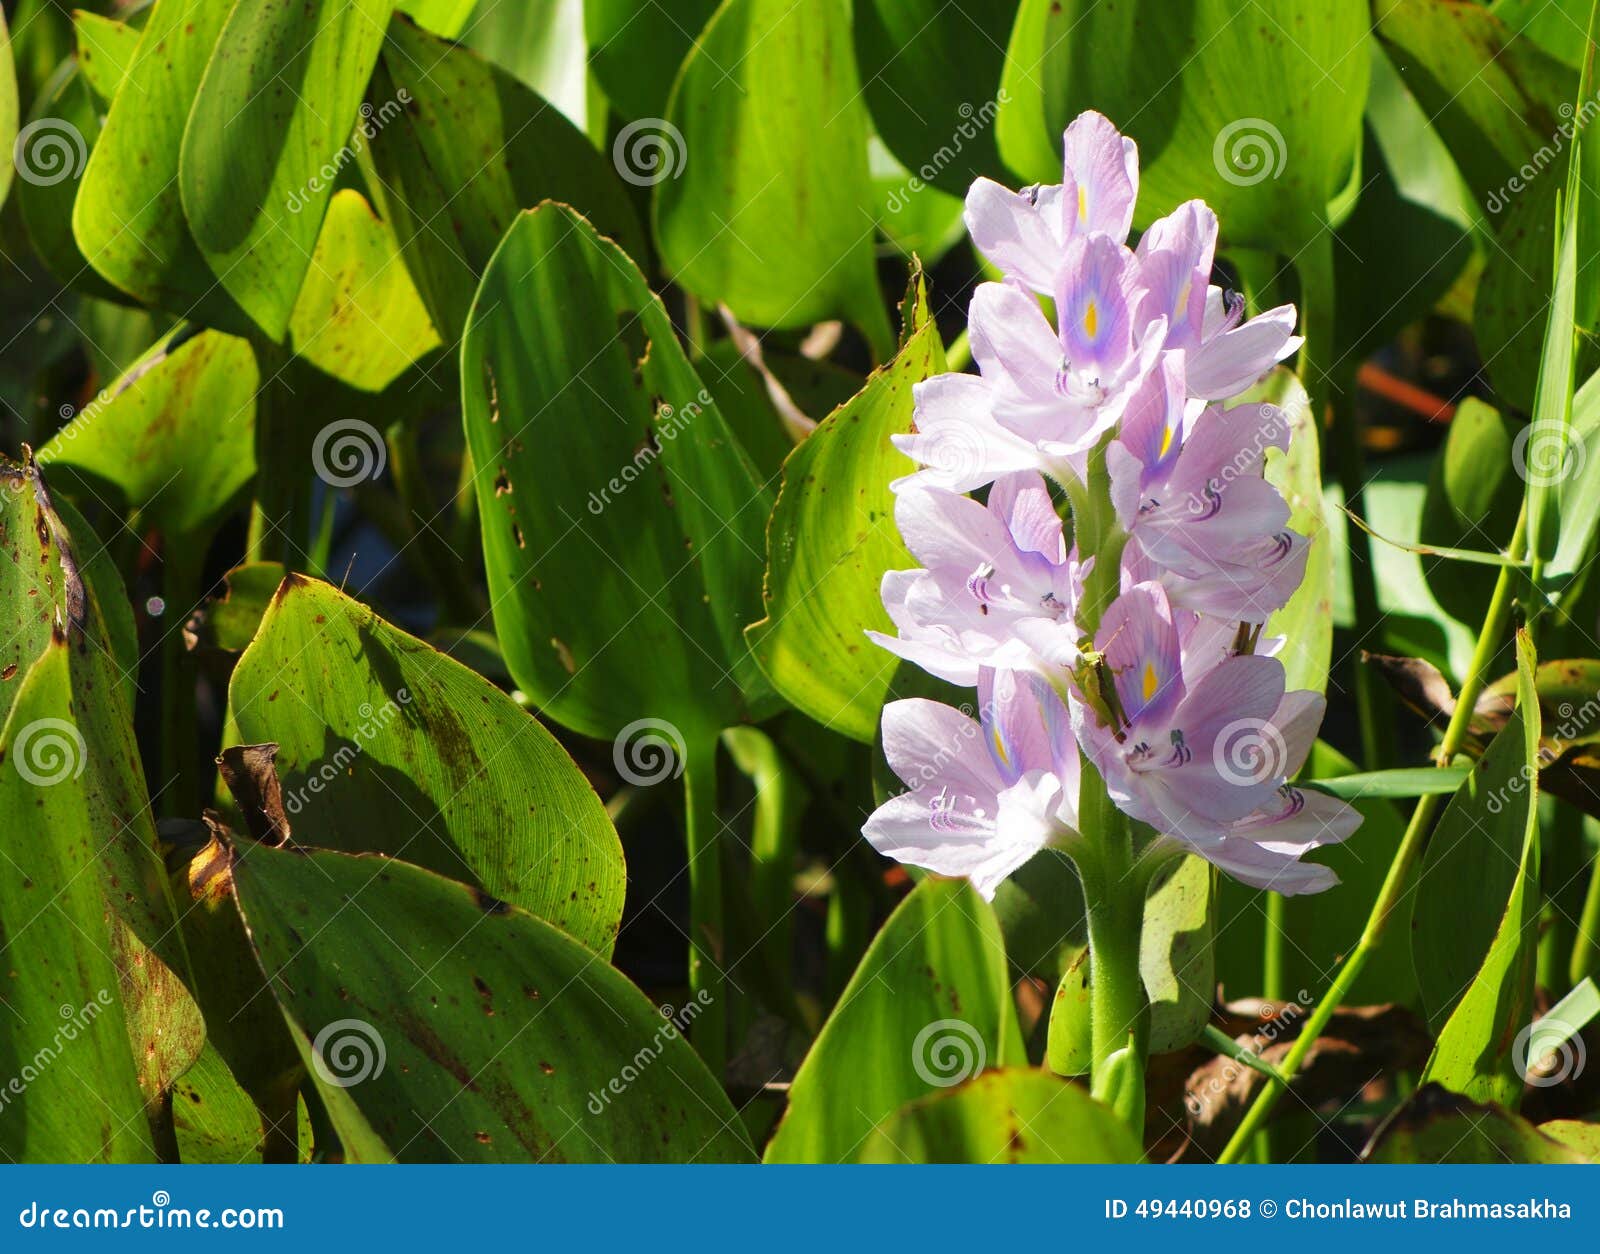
[8,106]
[442,1025]
[267,137]
[1583,1138]
[230,621]
[1257,111]
[106,48]
[929,1006]
[636,47]
[358,316]
[1306,622]
[541,43]
[831,539]
[1435,1125]
[1413,781]
[622,556]
[1494,99]
[442,17]
[1473,497]
[215,1119]
[1011,1116]
[53,151]
[472,148]
[64,1037]
[762,196]
[128,218]
[1489,834]
[174,437]
[1410,234]
[931,74]
[387,745]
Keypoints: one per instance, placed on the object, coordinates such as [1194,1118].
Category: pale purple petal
[1020,232]
[1101,179]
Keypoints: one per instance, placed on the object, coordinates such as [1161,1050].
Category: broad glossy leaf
[636,47]
[215,1119]
[1584,1138]
[1475,928]
[66,124]
[106,49]
[1410,234]
[230,621]
[1255,109]
[358,316]
[931,74]
[762,197]
[387,745]
[442,17]
[1010,1116]
[8,105]
[929,1006]
[831,539]
[174,437]
[623,555]
[1438,1126]
[1494,98]
[63,1038]
[472,148]
[266,138]
[541,42]
[444,1025]
[1555,25]
[128,218]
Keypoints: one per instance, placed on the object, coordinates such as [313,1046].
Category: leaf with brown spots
[367,950]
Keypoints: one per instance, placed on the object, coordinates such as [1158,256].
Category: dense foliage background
[447,483]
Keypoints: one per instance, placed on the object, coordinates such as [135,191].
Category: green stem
[432,554]
[1586,946]
[1114,884]
[705,901]
[1405,857]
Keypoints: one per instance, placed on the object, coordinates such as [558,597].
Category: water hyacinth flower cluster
[1125,652]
